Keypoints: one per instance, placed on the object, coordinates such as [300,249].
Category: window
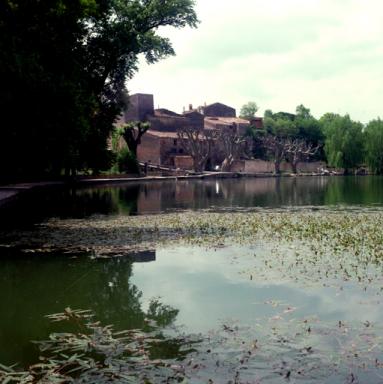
[175,142]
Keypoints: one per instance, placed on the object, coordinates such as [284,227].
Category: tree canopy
[63,68]
[248,110]
[280,126]
[302,112]
[344,143]
[374,145]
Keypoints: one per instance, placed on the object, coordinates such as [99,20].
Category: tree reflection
[31,288]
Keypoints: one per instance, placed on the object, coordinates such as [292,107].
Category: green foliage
[132,134]
[268,113]
[256,136]
[302,112]
[309,129]
[374,145]
[63,69]
[284,116]
[280,127]
[344,141]
[249,110]
[126,161]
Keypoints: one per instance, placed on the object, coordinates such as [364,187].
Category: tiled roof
[162,135]
[165,112]
[213,122]
[231,120]
[217,103]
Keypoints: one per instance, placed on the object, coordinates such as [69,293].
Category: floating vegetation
[298,350]
[321,246]
[318,249]
[279,349]
[96,354]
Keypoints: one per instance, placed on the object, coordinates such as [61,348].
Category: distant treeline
[338,140]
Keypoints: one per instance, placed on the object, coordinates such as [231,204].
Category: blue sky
[325,54]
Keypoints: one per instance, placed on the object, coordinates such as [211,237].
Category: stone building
[161,145]
[218,109]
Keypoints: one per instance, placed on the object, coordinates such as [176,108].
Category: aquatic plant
[326,249]
[325,246]
[269,351]
[94,353]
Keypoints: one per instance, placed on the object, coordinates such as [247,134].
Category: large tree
[63,68]
[280,128]
[374,145]
[233,146]
[197,143]
[299,150]
[309,130]
[248,110]
[132,134]
[344,141]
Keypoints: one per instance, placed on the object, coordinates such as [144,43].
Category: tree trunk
[294,166]
[277,165]
[199,165]
[226,164]
[132,144]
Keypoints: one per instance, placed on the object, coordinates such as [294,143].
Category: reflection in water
[162,196]
[259,192]
[143,256]
[204,286]
[31,288]
[208,290]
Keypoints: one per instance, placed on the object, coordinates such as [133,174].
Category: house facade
[161,144]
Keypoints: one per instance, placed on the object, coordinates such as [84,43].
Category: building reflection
[143,256]
[167,195]
[244,192]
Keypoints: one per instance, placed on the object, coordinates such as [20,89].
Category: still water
[199,289]
[164,196]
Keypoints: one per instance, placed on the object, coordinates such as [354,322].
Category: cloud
[281,53]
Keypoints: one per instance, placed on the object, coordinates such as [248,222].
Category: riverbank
[10,192]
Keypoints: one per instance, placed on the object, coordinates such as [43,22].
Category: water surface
[162,196]
[200,290]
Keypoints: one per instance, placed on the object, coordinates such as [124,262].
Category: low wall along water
[261,166]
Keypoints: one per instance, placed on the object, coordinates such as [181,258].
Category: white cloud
[281,53]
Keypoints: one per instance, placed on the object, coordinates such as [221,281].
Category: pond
[278,279]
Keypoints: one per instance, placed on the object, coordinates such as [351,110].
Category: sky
[325,54]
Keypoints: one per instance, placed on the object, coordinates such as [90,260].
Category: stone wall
[140,107]
[149,149]
[173,123]
[261,166]
[307,167]
[170,147]
[183,162]
[162,151]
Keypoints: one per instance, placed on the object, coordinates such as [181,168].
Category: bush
[127,162]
